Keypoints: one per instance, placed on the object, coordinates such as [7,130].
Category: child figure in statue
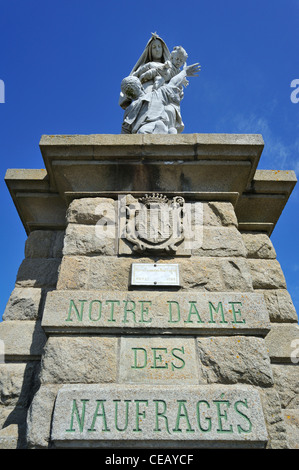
[162,73]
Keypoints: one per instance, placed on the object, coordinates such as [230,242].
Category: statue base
[191,350]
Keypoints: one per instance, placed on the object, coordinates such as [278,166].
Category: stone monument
[152,93]
[150,310]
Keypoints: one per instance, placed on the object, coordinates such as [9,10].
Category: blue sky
[62,63]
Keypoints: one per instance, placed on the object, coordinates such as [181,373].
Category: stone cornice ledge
[199,166]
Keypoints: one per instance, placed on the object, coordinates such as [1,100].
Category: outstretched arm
[189,71]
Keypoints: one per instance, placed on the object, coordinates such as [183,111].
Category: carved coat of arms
[155,223]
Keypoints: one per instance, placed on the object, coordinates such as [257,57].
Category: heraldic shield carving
[155,223]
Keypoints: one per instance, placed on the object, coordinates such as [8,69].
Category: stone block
[57,245]
[274,419]
[291,418]
[234,360]
[219,241]
[202,273]
[219,214]
[266,274]
[17,383]
[44,244]
[39,244]
[282,342]
[39,417]
[23,304]
[88,240]
[258,245]
[91,211]
[13,427]
[152,312]
[93,359]
[9,437]
[286,380]
[38,272]
[280,306]
[217,274]
[23,340]
[160,415]
[158,360]
[109,273]
[10,414]
[73,273]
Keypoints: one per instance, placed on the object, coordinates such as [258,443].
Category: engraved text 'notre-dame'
[129,311]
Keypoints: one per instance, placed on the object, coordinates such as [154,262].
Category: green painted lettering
[178,313]
[112,302]
[216,309]
[222,415]
[139,414]
[78,314]
[193,311]
[240,429]
[126,310]
[136,366]
[160,414]
[145,310]
[90,310]
[158,358]
[173,366]
[80,419]
[236,312]
[127,402]
[101,414]
[182,415]
[208,420]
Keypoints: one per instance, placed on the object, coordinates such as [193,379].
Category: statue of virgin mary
[156,51]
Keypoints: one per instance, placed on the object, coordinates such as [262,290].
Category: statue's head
[131,87]
[156,49]
[178,56]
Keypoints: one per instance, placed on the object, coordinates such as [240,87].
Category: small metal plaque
[155,274]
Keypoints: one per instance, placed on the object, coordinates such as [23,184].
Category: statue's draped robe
[158,105]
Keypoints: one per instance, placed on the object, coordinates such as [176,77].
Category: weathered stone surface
[17,383]
[286,379]
[193,415]
[136,311]
[90,211]
[219,241]
[291,418]
[23,304]
[10,414]
[283,342]
[88,240]
[214,274]
[158,360]
[38,272]
[198,273]
[274,419]
[234,360]
[219,213]
[22,340]
[44,244]
[93,359]
[9,437]
[109,273]
[280,306]
[266,274]
[258,245]
[39,417]
[13,427]
[73,273]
